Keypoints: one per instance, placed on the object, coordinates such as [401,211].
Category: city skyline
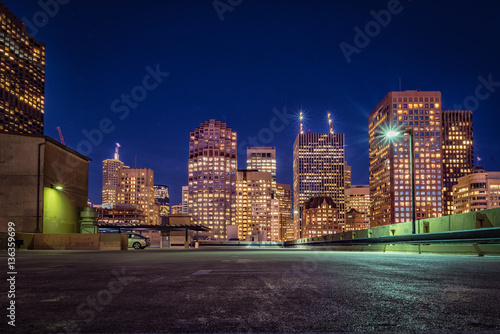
[247,76]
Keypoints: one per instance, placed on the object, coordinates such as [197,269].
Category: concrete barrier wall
[465,221]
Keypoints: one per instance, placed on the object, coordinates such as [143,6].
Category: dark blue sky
[263,55]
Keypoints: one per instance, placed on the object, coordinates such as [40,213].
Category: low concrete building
[43,184]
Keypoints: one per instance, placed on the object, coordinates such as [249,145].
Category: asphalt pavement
[252,291]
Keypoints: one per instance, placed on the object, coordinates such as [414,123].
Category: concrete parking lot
[254,290]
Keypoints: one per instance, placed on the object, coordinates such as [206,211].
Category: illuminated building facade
[212,176]
[283,194]
[256,210]
[177,209]
[321,217]
[162,199]
[389,161]
[354,220]
[137,188]
[185,200]
[479,190]
[263,159]
[318,170]
[458,152]
[111,179]
[347,176]
[22,77]
[358,197]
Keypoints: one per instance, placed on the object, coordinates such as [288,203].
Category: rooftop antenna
[330,125]
[399,83]
[301,124]
[117,157]
[135,161]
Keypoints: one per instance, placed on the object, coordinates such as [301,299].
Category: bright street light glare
[391,134]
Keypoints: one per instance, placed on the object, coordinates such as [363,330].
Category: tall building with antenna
[110,179]
[318,169]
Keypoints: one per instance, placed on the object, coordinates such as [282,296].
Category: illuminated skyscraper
[212,176]
[283,194]
[347,176]
[458,152]
[262,159]
[22,77]
[390,164]
[110,179]
[318,170]
[137,188]
[162,199]
[256,210]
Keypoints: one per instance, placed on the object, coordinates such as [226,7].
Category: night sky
[263,55]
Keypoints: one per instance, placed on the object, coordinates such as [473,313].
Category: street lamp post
[391,134]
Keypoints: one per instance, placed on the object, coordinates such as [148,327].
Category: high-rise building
[479,190]
[185,200]
[390,164]
[162,199]
[22,77]
[256,209]
[263,159]
[458,152]
[212,176]
[137,188]
[318,170]
[283,194]
[358,197]
[321,217]
[347,176]
[110,179]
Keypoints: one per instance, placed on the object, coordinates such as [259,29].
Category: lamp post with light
[393,134]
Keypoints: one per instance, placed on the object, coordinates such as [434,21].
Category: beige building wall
[479,190]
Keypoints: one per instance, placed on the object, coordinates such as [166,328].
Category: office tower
[256,210]
[110,179]
[212,176]
[162,199]
[177,209]
[358,197]
[185,200]
[458,152]
[390,163]
[283,194]
[347,176]
[321,217]
[22,77]
[137,188]
[318,170]
[262,159]
[479,190]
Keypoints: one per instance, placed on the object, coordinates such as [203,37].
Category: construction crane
[61,138]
